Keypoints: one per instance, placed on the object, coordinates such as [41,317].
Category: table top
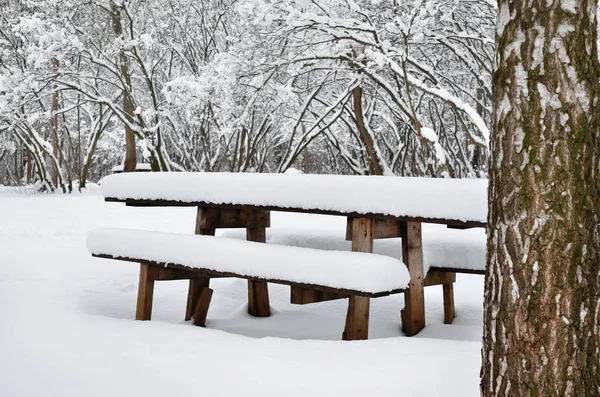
[458,202]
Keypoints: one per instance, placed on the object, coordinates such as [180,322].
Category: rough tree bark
[130,154]
[542,310]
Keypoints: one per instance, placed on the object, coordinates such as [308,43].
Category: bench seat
[361,273]
[167,256]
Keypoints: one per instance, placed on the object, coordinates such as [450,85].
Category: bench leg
[148,274]
[258,299]
[357,319]
[194,290]
[449,312]
[201,306]
[413,314]
[258,291]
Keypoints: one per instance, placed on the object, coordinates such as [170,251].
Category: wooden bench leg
[449,312]
[194,290]
[357,319]
[413,314]
[148,274]
[201,306]
[258,299]
[446,280]
[258,291]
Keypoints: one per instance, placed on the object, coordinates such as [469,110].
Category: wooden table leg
[413,314]
[258,291]
[357,319]
[446,280]
[201,306]
[204,216]
[196,286]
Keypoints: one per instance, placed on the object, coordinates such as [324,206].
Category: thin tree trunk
[54,128]
[305,155]
[130,152]
[476,158]
[29,167]
[374,161]
[541,314]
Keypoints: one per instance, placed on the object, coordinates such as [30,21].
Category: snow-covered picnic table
[457,202]
[376,207]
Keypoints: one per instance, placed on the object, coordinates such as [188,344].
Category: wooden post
[201,306]
[258,291]
[446,280]
[362,234]
[148,274]
[449,312]
[357,319]
[206,216]
[413,314]
[196,286]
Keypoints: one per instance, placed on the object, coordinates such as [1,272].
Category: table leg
[196,285]
[413,314]
[357,319]
[201,306]
[195,288]
[258,291]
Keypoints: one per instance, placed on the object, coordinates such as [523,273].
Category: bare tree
[128,109]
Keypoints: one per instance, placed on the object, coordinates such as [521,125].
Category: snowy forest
[375,87]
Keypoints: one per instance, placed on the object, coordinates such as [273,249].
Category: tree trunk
[54,128]
[130,153]
[374,160]
[542,308]
[29,167]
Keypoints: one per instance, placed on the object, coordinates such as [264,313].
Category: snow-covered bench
[167,256]
[445,252]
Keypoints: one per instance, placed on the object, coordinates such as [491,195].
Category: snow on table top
[356,271]
[442,247]
[453,199]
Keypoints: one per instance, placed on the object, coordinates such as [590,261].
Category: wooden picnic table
[375,207]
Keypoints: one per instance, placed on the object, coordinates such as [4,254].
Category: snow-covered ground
[67,329]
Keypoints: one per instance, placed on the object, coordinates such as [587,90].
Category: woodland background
[328,86]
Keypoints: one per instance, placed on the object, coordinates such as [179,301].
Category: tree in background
[130,161]
[541,316]
[334,86]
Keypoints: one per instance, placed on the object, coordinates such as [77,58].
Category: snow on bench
[166,256]
[365,274]
[445,252]
[443,248]
[446,200]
